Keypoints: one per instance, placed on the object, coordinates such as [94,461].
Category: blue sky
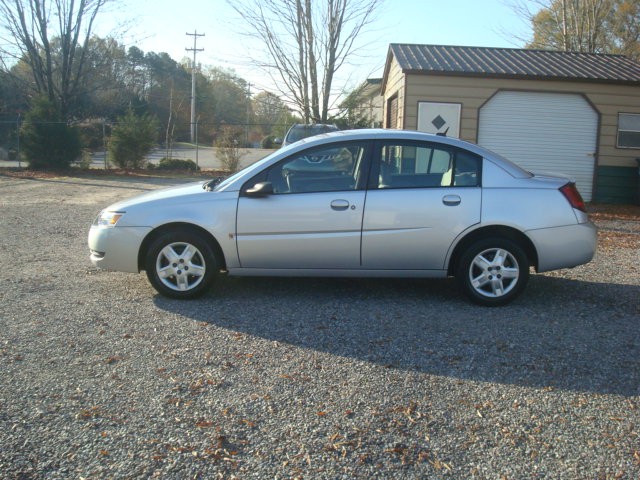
[161,26]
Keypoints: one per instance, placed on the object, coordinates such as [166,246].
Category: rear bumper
[564,247]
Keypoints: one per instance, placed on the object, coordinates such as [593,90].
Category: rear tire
[181,264]
[493,271]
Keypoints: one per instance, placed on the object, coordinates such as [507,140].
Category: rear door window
[406,164]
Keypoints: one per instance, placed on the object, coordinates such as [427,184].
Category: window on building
[628,130]
[392,112]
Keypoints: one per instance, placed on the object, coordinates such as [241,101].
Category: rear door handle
[451,200]
[339,204]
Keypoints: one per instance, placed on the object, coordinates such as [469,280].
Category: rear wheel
[493,271]
[180,264]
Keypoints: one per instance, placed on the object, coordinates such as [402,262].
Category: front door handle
[339,204]
[451,200]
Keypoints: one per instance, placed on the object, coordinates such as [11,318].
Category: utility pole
[246,127]
[18,137]
[195,36]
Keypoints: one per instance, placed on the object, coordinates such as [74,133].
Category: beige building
[560,112]
[371,106]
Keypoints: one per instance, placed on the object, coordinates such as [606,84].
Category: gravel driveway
[304,378]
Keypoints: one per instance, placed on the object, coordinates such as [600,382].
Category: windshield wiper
[211,184]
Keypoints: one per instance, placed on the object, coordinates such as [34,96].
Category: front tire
[493,271]
[181,264]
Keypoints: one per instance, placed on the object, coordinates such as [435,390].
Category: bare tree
[306,42]
[269,109]
[52,38]
[593,26]
[625,28]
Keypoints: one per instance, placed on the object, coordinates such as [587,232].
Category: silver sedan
[362,203]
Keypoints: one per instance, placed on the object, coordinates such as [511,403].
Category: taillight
[573,196]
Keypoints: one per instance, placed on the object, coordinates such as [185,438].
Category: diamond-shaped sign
[438,117]
[438,122]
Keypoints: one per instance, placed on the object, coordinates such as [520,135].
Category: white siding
[543,132]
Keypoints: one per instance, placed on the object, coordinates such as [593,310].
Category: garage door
[543,132]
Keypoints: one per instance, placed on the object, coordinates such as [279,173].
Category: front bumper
[564,247]
[116,248]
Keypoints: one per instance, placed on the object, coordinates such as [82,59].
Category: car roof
[393,134]
[386,133]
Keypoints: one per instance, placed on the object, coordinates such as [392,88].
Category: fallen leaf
[204,424]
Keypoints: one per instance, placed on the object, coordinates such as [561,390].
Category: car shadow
[560,333]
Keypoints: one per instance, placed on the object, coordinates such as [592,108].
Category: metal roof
[514,63]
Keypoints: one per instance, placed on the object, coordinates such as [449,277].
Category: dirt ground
[304,378]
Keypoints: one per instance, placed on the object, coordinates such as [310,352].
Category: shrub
[47,141]
[176,164]
[132,138]
[268,142]
[228,148]
[84,161]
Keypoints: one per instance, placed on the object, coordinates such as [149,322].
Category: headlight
[107,219]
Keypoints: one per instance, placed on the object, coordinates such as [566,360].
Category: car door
[421,197]
[311,215]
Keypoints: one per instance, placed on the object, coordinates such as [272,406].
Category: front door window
[319,170]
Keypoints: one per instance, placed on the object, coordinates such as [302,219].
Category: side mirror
[277,141]
[260,189]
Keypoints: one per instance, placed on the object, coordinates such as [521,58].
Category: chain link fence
[250,139]
[9,138]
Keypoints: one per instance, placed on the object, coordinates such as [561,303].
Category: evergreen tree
[132,139]
[47,140]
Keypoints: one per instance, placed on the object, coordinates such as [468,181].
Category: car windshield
[299,132]
[230,179]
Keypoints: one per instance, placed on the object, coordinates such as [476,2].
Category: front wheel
[180,264]
[493,271]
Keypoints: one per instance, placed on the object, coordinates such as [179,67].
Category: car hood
[169,194]
[185,203]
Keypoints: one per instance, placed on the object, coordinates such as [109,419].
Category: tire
[181,264]
[493,271]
